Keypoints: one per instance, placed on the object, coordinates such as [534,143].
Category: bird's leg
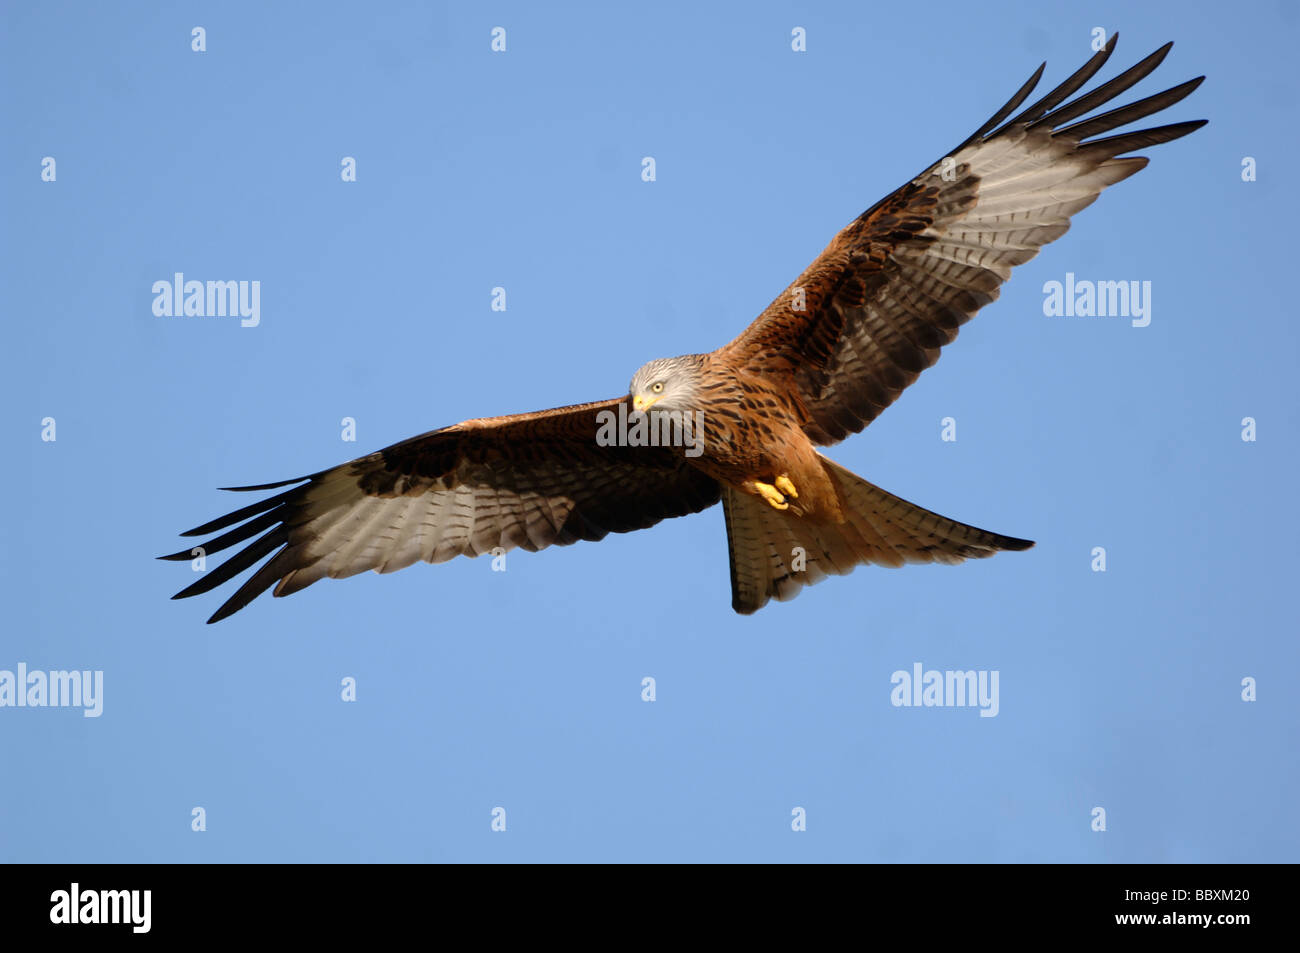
[785,486]
[770,493]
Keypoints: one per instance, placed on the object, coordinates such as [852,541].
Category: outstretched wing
[872,312]
[530,480]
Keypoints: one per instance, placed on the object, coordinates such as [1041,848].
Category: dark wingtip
[266,486]
[191,590]
[223,612]
[228,608]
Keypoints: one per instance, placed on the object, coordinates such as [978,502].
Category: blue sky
[522,690]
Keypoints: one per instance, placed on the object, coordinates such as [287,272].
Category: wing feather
[895,285]
[530,481]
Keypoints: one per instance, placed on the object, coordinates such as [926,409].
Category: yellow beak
[643,404]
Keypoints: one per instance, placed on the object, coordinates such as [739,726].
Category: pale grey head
[669,383]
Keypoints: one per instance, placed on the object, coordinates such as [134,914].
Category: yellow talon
[772,495]
[785,486]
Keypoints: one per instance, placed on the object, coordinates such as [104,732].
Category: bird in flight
[827,356]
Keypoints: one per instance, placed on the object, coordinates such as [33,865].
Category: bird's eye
[657,387]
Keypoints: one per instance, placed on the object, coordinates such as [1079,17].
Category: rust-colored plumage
[821,362]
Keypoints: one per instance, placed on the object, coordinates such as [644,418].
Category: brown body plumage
[755,431]
[821,362]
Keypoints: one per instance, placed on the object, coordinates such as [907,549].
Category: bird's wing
[872,312]
[529,480]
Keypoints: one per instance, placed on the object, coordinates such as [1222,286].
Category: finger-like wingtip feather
[267,486]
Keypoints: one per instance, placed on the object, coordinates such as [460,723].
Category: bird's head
[669,383]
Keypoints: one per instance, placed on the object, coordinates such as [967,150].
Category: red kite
[827,356]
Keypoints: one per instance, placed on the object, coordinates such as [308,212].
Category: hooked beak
[642,404]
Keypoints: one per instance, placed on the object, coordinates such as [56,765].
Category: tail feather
[774,554]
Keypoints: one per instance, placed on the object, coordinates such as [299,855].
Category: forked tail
[775,554]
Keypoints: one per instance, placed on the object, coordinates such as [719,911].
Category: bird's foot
[785,486]
[773,496]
